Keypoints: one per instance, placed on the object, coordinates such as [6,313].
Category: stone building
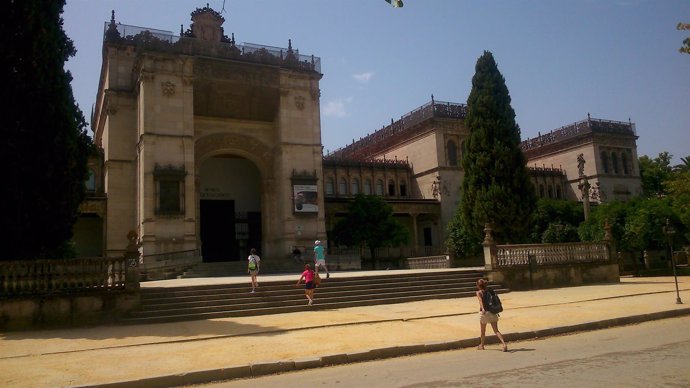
[601,154]
[210,148]
[207,143]
[426,142]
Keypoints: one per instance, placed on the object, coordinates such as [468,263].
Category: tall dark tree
[44,147]
[496,188]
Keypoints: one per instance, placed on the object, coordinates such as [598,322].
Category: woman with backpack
[253,267]
[486,316]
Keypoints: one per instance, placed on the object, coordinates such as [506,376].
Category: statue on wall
[581,164]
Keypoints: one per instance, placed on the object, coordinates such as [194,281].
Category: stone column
[132,262]
[415,235]
[489,249]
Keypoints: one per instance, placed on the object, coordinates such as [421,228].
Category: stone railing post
[608,237]
[132,262]
[489,249]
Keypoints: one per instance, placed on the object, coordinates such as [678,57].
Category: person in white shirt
[253,267]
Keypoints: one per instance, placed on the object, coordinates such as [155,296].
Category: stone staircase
[171,304]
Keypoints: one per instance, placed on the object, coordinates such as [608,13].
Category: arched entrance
[229,208]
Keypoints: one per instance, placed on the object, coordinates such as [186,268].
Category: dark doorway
[218,230]
[427,237]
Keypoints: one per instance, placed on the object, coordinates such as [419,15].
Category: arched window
[342,187]
[403,189]
[379,187]
[541,191]
[354,186]
[605,161]
[391,188]
[624,162]
[367,186]
[91,181]
[550,191]
[330,186]
[614,162]
[452,152]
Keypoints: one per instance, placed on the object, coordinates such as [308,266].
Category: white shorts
[487,317]
[321,262]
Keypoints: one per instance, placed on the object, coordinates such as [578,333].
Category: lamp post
[669,232]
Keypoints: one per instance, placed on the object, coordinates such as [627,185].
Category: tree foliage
[654,174]
[45,147]
[496,188]
[369,222]
[556,220]
[685,48]
[636,225]
[460,242]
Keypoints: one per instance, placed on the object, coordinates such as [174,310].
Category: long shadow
[177,330]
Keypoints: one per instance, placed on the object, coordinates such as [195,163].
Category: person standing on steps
[320,258]
[309,286]
[253,265]
[486,316]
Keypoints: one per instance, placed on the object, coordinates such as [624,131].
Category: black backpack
[492,303]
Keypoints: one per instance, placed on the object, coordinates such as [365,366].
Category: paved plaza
[201,351]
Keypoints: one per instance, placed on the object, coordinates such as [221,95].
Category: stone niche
[235,91]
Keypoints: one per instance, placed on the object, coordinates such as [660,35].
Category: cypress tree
[44,148]
[496,186]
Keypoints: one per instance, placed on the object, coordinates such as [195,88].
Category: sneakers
[252,292]
[310,302]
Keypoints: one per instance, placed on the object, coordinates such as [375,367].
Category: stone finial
[488,235]
[133,245]
[608,236]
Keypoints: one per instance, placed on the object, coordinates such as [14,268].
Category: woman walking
[486,316]
[253,267]
[309,286]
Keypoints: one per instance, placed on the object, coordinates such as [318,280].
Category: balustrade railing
[551,254]
[383,138]
[166,41]
[18,278]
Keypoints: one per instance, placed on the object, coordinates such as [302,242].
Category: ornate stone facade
[200,144]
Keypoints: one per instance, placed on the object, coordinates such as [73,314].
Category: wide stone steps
[275,297]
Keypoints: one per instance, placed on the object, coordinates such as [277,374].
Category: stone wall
[570,275]
[22,313]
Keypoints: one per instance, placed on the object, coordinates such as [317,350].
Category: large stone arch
[255,151]
[229,143]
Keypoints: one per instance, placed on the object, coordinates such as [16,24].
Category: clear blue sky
[614,59]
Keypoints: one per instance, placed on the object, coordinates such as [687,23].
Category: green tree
[369,222]
[45,147]
[556,220]
[593,229]
[654,174]
[679,194]
[460,242]
[685,48]
[496,188]
[683,166]
[645,219]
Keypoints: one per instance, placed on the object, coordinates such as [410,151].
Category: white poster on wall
[305,199]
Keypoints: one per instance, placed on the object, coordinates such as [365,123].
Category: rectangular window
[169,183]
[169,196]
